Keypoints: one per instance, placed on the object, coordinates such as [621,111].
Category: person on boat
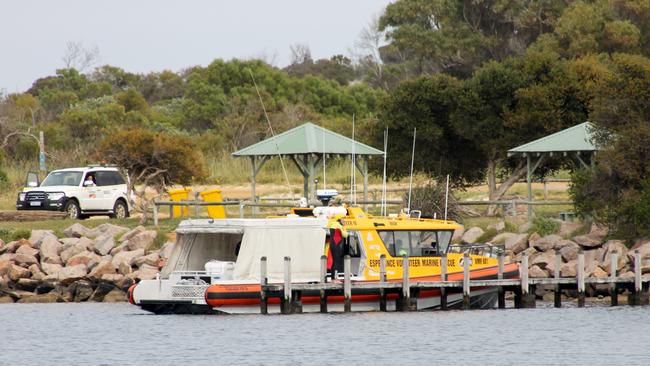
[336,247]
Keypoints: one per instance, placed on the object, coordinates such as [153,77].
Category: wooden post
[155,214]
[527,299]
[382,280]
[264,280]
[638,296]
[347,288]
[466,288]
[171,211]
[557,293]
[286,298]
[443,277]
[408,303]
[502,292]
[613,288]
[323,279]
[196,206]
[581,279]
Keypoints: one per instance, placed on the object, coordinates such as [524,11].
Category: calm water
[121,334]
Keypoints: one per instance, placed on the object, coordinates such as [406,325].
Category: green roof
[576,138]
[307,139]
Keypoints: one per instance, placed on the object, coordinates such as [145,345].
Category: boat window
[354,245]
[415,243]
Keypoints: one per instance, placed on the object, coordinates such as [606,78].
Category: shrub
[430,199]
[544,226]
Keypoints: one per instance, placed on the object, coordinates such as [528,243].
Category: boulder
[27,250]
[497,226]
[458,233]
[105,229]
[16,272]
[644,249]
[24,259]
[567,228]
[43,298]
[116,295]
[599,273]
[525,227]
[166,250]
[570,251]
[114,277]
[46,287]
[627,274]
[124,268]
[587,241]
[146,272]
[120,248]
[82,291]
[53,260]
[546,243]
[103,288]
[621,254]
[537,272]
[142,240]
[569,269]
[131,233]
[73,273]
[499,239]
[598,232]
[563,243]
[530,252]
[27,284]
[5,265]
[51,269]
[104,267]
[50,247]
[103,244]
[36,272]
[6,299]
[82,258]
[67,243]
[80,247]
[75,230]
[18,294]
[544,260]
[124,283]
[150,259]
[37,237]
[128,257]
[472,235]
[645,266]
[65,293]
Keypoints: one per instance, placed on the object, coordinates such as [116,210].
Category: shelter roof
[576,138]
[307,139]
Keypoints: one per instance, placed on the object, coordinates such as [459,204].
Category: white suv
[80,192]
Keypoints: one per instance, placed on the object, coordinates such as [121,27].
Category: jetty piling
[264,281]
[285,305]
[466,290]
[557,290]
[382,281]
[527,299]
[323,279]
[613,288]
[581,279]
[639,294]
[347,286]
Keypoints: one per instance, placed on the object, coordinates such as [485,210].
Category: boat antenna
[277,148]
[411,179]
[383,184]
[324,157]
[446,197]
[353,172]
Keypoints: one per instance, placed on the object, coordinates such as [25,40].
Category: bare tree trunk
[498,192]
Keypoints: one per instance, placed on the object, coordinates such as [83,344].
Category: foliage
[489,234]
[8,235]
[429,198]
[544,226]
[4,181]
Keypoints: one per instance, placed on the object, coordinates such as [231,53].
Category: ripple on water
[96,334]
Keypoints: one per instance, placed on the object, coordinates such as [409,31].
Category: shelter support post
[530,169]
[256,166]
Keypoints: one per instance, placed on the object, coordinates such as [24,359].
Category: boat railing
[484,249]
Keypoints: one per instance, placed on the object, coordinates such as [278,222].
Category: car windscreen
[68,178]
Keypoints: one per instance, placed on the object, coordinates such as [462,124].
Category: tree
[152,161]
[77,56]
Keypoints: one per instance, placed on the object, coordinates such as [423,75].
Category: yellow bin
[214,195]
[180,194]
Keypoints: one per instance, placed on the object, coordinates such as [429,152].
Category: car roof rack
[102,166]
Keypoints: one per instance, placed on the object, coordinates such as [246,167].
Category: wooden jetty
[523,288]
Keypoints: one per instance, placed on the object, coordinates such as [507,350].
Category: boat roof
[234,226]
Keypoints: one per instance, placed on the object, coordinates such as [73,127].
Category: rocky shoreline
[541,252]
[98,264]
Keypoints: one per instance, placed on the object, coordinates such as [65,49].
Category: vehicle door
[90,196]
[107,188]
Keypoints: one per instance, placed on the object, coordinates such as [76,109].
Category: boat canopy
[302,239]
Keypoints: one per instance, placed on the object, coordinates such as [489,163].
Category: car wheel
[120,211]
[72,209]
